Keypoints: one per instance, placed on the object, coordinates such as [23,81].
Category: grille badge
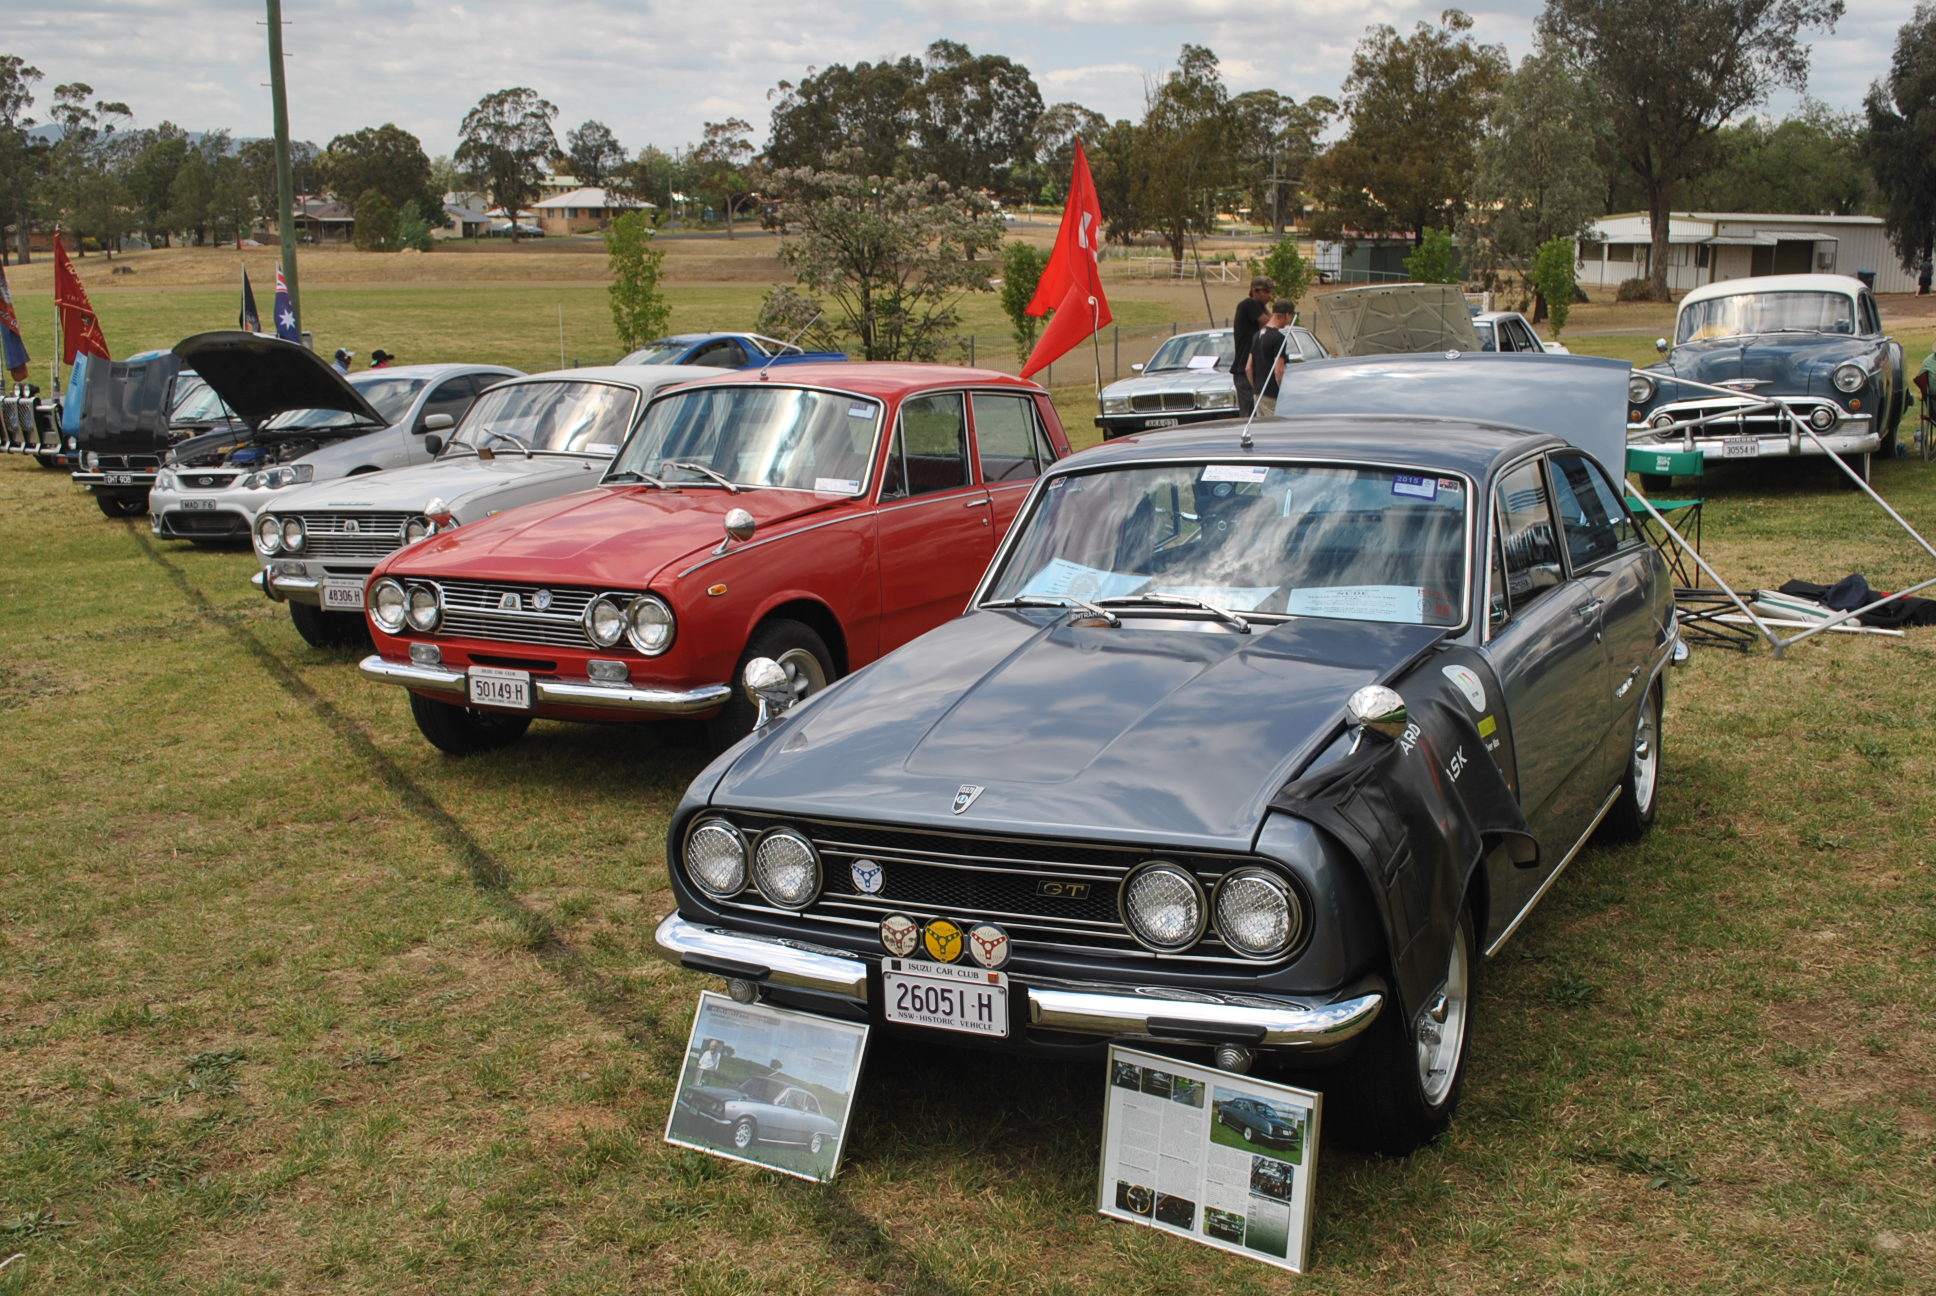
[869,878]
[1063,890]
[899,935]
[943,940]
[541,599]
[509,603]
[965,796]
[352,527]
[989,945]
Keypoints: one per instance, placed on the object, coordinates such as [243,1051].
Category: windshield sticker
[1450,484]
[601,447]
[1403,604]
[1467,681]
[1077,581]
[835,485]
[1236,473]
[1203,362]
[860,411]
[1423,487]
[1229,597]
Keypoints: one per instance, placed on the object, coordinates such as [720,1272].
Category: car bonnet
[260,377]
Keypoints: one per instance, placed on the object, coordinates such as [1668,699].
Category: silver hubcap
[1440,1029]
[1646,759]
[803,672]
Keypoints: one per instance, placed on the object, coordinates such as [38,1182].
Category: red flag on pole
[80,329]
[1071,283]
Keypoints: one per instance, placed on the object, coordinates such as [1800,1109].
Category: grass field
[291,1003]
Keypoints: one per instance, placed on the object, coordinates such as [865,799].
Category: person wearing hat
[343,358]
[380,359]
[1244,325]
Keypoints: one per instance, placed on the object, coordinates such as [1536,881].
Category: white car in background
[1187,381]
[1511,331]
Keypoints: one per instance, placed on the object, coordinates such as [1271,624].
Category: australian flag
[285,313]
[250,321]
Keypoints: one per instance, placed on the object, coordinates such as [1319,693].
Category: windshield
[663,351]
[1358,543]
[768,435]
[566,417]
[196,401]
[1194,351]
[390,396]
[1766,312]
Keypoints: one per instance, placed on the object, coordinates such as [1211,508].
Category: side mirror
[1136,368]
[1378,709]
[433,444]
[436,423]
[1660,345]
[739,526]
[766,685]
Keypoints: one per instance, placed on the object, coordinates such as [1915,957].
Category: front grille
[205,480]
[1001,880]
[1163,402]
[352,535]
[128,463]
[480,610]
[1763,422]
[210,524]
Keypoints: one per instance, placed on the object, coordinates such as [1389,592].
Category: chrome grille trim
[1163,401]
[472,611]
[327,535]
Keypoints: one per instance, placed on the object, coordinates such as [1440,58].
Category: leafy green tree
[1289,270]
[1056,133]
[19,158]
[1275,140]
[1416,106]
[797,317]
[1436,260]
[1022,267]
[975,115]
[385,158]
[503,144]
[86,193]
[861,117]
[258,159]
[376,222]
[156,164]
[1670,72]
[593,153]
[1113,164]
[1811,163]
[719,164]
[1901,149]
[1553,276]
[892,257]
[639,310]
[1180,163]
[413,228]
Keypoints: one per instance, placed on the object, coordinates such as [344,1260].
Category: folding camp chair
[1926,421]
[1684,515]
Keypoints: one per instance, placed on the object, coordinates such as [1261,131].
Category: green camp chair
[1656,470]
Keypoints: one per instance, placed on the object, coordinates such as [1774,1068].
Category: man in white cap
[343,358]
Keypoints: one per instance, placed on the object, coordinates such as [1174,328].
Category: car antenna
[1283,349]
[789,342]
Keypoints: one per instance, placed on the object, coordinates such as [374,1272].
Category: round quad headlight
[716,858]
[387,603]
[268,534]
[292,534]
[1663,420]
[648,624]
[1640,389]
[1822,417]
[1163,906]
[604,621]
[416,529]
[786,868]
[1850,377]
[1257,915]
[423,608]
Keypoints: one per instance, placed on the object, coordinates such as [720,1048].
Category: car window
[1009,440]
[724,353]
[1194,351]
[1530,556]
[1593,517]
[390,396]
[1307,345]
[930,447]
[764,434]
[452,396]
[1522,336]
[575,417]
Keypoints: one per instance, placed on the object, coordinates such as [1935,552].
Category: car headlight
[90,460]
[292,534]
[604,621]
[1163,906]
[1640,389]
[786,868]
[1850,377]
[422,608]
[1257,914]
[1115,404]
[268,534]
[416,529]
[387,603]
[1663,420]
[648,624]
[1823,417]
[716,858]
[1217,399]
[165,479]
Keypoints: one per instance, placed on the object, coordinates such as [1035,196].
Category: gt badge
[899,935]
[988,945]
[943,940]
[868,877]
[965,796]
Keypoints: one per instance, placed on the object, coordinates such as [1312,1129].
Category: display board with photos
[1220,1158]
[767,1086]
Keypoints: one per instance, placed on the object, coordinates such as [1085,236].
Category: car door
[1011,450]
[936,533]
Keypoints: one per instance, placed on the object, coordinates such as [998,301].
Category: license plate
[199,506]
[946,997]
[118,479]
[493,686]
[1158,423]
[343,595]
[1740,447]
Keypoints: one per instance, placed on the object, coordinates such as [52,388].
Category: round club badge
[943,940]
[899,935]
[988,945]
[868,876]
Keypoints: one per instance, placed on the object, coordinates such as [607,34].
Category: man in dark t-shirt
[1244,325]
[1267,357]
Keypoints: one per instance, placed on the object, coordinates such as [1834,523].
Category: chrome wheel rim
[1646,758]
[1440,1028]
[803,671]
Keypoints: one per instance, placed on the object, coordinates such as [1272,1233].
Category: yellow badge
[1486,726]
[943,940]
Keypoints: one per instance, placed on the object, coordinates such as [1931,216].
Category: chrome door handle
[976,503]
[1590,607]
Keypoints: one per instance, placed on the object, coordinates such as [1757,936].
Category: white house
[1707,247]
[584,209]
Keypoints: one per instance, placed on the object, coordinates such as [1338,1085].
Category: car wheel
[817,1142]
[121,506]
[1639,801]
[462,730]
[1245,1131]
[321,629]
[744,1133]
[802,654]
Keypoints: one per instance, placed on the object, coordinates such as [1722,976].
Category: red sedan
[820,516]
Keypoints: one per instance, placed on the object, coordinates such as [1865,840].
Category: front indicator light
[1163,906]
[786,868]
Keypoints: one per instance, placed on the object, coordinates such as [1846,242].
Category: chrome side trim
[610,697]
[1554,876]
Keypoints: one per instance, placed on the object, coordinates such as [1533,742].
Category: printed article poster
[1221,1158]
[767,1086]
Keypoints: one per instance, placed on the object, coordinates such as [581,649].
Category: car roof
[641,376]
[1846,285]
[1425,441]
[430,372]
[877,378]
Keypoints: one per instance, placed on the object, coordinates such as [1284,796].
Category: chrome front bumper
[566,693]
[290,589]
[1077,1008]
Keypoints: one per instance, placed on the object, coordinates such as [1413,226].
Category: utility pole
[285,182]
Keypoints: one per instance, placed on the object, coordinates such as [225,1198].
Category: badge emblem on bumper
[943,941]
[899,935]
[988,945]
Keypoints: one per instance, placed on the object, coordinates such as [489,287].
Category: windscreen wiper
[1069,601]
[1180,600]
[702,470]
[629,475]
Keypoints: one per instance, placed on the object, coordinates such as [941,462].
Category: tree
[258,161]
[796,317]
[152,174]
[1022,267]
[653,177]
[1670,72]
[893,256]
[594,153]
[86,167]
[1435,260]
[387,159]
[1113,160]
[376,222]
[1275,140]
[975,117]
[19,157]
[1809,164]
[639,310]
[1289,272]
[861,117]
[1901,149]
[719,163]
[1417,105]
[1552,275]
[502,145]
[1056,133]
[1180,161]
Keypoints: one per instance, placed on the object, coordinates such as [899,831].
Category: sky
[655,72]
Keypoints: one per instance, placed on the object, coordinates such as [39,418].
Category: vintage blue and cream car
[1251,743]
[1188,380]
[1756,360]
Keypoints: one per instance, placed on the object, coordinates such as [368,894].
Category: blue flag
[250,322]
[285,313]
[15,348]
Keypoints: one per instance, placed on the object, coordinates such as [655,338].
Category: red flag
[80,329]
[1071,283]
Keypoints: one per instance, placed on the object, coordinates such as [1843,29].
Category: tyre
[1633,814]
[461,730]
[121,506]
[817,1142]
[1245,1131]
[802,654]
[321,629]
[1406,1081]
[744,1133]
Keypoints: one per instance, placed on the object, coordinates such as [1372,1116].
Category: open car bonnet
[260,377]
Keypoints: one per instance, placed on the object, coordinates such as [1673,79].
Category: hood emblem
[899,935]
[988,945]
[943,940]
[351,526]
[541,599]
[965,796]
[869,877]
[1743,384]
[509,603]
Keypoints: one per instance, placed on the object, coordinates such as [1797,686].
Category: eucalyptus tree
[1901,150]
[503,144]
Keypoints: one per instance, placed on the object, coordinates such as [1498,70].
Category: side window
[1523,339]
[1593,517]
[1529,547]
[724,353]
[1308,347]
[1871,319]
[930,450]
[453,396]
[1008,438]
